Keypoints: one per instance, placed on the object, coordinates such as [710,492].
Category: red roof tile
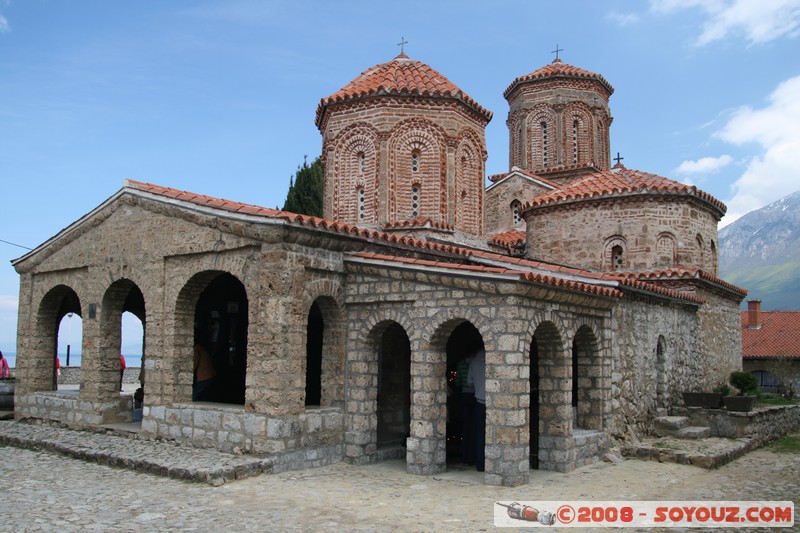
[419,222]
[401,76]
[557,69]
[420,245]
[495,178]
[509,239]
[676,273]
[617,182]
[778,336]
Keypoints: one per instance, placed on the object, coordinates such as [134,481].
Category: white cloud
[704,165]
[775,172]
[760,21]
[4,27]
[623,19]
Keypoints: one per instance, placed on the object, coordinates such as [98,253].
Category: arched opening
[122,298]
[70,332]
[394,387]
[39,364]
[314,332]
[586,381]
[661,373]
[462,438]
[549,419]
[533,426]
[220,340]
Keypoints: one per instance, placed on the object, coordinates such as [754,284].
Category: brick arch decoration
[578,142]
[328,295]
[701,259]
[103,362]
[589,383]
[428,140]
[666,249]
[347,175]
[38,364]
[602,152]
[608,252]
[516,140]
[542,149]
[469,183]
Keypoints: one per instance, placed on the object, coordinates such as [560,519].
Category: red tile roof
[557,69]
[495,178]
[509,239]
[419,222]
[778,336]
[420,245]
[677,273]
[401,76]
[619,182]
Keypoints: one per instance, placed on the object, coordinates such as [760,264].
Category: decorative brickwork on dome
[401,141]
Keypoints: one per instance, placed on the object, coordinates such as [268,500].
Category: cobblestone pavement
[43,491]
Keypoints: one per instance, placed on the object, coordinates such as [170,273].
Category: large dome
[402,76]
[558,69]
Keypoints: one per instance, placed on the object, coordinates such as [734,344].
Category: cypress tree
[305,190]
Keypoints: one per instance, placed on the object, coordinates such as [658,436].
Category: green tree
[305,190]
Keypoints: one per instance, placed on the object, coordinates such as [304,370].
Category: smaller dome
[558,69]
[402,76]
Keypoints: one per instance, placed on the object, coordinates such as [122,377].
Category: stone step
[694,432]
[669,425]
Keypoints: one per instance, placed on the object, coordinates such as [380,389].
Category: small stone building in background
[592,288]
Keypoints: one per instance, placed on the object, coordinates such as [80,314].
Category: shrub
[744,382]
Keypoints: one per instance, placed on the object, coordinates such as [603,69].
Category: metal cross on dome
[618,158]
[557,50]
[402,43]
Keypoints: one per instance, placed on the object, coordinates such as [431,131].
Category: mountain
[761,253]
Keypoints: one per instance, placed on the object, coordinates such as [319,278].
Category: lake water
[74,359]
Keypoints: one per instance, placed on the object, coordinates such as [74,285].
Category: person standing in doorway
[204,375]
[477,378]
[121,370]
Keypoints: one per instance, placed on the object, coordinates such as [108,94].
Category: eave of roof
[558,69]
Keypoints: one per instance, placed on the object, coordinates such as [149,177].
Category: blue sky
[219,97]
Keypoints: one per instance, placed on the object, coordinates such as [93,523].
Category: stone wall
[68,409]
[500,196]
[311,439]
[763,424]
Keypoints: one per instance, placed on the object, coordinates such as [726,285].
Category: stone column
[427,445]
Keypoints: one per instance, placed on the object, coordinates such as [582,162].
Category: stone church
[592,287]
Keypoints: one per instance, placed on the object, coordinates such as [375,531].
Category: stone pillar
[427,445]
[507,406]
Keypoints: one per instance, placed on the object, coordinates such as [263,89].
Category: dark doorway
[394,387]
[534,414]
[221,328]
[314,333]
[463,342]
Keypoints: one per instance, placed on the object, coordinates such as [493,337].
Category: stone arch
[121,296]
[417,158]
[587,380]
[468,185]
[666,249]
[325,352]
[355,165]
[615,253]
[542,137]
[392,348]
[603,147]
[38,366]
[516,145]
[578,128]
[701,250]
[212,311]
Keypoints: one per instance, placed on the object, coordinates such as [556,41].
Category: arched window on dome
[415,161]
[516,213]
[617,257]
[700,251]
[361,202]
[713,265]
[666,250]
[614,252]
[574,141]
[415,200]
[543,126]
[362,162]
